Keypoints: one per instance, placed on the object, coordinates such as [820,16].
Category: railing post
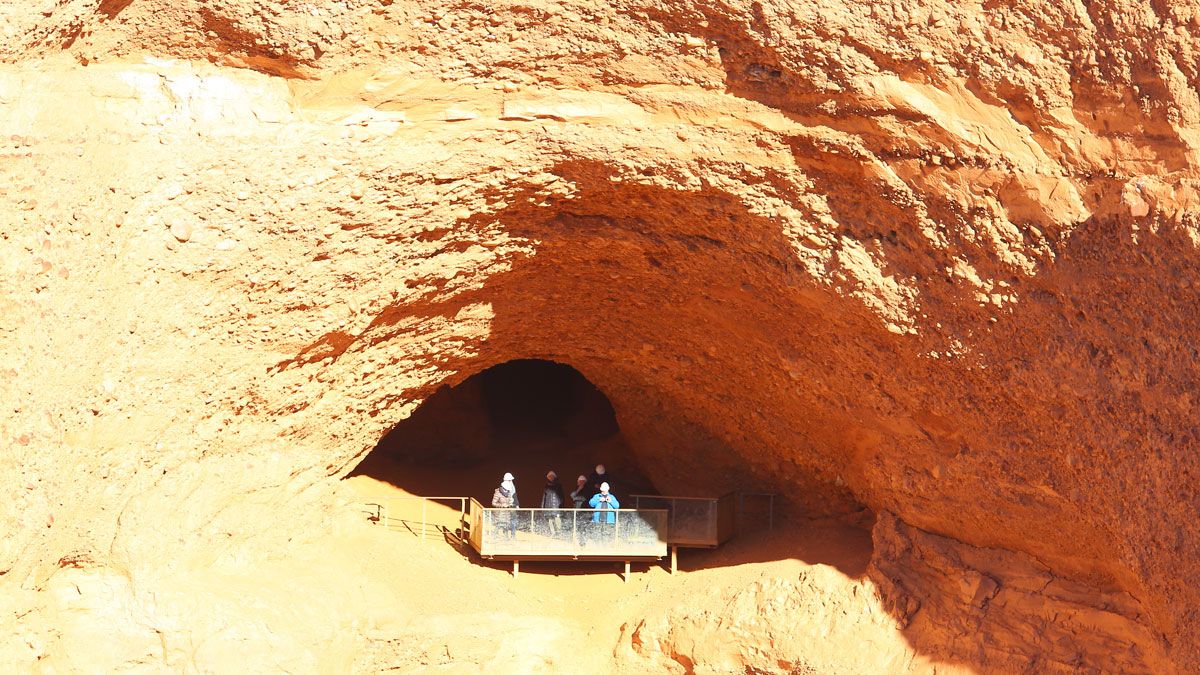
[616,529]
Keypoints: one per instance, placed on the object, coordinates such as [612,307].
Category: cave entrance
[527,417]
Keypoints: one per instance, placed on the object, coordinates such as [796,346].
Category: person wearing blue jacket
[603,501]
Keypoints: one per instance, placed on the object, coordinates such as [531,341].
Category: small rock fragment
[1138,208]
[181,231]
[457,114]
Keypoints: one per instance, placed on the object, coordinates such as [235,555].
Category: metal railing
[701,522]
[413,514]
[567,533]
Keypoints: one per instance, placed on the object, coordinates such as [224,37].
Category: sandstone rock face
[934,259]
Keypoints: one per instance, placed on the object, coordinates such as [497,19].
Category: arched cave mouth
[529,416]
[526,416]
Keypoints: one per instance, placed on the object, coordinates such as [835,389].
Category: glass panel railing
[572,532]
[693,521]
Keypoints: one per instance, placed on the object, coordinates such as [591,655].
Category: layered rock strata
[932,260]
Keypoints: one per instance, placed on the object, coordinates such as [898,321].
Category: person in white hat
[603,501]
[505,497]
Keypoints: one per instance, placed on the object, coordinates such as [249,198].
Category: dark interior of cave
[529,416]
[526,417]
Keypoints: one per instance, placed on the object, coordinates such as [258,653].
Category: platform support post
[516,568]
[674,559]
[575,531]
[626,571]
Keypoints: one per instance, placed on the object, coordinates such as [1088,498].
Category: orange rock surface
[922,268]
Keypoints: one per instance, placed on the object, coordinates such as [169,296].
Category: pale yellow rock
[181,231]
[207,324]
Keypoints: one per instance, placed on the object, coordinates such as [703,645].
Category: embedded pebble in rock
[181,231]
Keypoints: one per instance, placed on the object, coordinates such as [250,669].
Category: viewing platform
[619,535]
[656,526]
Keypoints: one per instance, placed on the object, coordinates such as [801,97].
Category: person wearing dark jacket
[580,494]
[597,477]
[552,498]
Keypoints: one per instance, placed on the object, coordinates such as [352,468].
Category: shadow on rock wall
[730,368]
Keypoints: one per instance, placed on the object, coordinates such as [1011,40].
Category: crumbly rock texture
[935,260]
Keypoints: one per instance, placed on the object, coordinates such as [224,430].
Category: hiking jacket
[503,499]
[552,496]
[595,479]
[608,506]
[579,496]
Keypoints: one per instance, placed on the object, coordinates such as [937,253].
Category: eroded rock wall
[934,259]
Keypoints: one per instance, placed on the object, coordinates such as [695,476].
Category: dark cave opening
[531,400]
[526,417]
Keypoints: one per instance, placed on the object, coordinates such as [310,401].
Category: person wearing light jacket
[505,497]
[602,502]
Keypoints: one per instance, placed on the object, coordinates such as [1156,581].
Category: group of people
[593,491]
